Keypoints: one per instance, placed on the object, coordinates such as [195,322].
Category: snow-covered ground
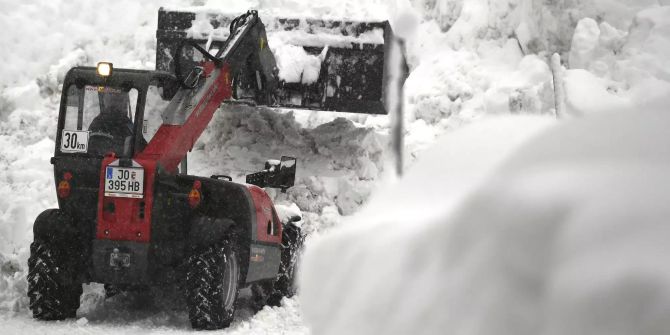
[472,62]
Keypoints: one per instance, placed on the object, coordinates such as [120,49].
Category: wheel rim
[230,277]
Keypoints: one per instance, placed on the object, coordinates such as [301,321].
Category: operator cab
[103,113]
[97,120]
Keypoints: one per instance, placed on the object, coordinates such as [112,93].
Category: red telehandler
[130,216]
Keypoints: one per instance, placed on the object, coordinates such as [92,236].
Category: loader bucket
[323,64]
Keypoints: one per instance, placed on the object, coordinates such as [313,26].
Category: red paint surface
[124,223]
[265,212]
[171,143]
[167,148]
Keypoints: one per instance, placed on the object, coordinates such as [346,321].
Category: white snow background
[475,239]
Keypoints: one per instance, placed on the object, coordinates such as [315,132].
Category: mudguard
[207,230]
[53,225]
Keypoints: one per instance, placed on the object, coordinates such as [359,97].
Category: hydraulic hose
[234,26]
[177,62]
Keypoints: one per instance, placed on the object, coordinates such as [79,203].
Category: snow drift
[569,236]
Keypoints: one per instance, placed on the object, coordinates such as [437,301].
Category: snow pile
[338,160]
[476,68]
[345,269]
[545,245]
[45,38]
[610,68]
[296,65]
[287,41]
[305,33]
[286,213]
[539,26]
[569,236]
[26,180]
[585,41]
[353,10]
[286,319]
[474,51]
[319,37]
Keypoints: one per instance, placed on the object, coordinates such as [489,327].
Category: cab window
[98,120]
[153,112]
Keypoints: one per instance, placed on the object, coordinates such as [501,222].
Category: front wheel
[212,283]
[271,293]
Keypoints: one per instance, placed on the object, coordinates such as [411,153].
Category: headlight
[104,69]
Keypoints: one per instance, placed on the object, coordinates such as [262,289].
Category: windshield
[98,120]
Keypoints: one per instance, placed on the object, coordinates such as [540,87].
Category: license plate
[124,182]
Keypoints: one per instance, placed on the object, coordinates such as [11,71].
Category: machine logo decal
[257,254]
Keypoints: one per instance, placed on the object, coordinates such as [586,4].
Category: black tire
[285,284]
[212,284]
[271,293]
[264,294]
[52,289]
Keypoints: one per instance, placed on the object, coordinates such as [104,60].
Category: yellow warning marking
[262,43]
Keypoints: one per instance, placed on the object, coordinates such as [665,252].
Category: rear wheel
[212,283]
[52,289]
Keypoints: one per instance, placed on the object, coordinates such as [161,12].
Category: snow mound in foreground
[569,236]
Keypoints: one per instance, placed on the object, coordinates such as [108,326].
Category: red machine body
[266,215]
[131,218]
[166,149]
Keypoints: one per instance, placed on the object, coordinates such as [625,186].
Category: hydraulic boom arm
[209,85]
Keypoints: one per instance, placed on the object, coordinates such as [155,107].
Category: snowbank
[418,258]
[466,61]
[612,68]
[569,236]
